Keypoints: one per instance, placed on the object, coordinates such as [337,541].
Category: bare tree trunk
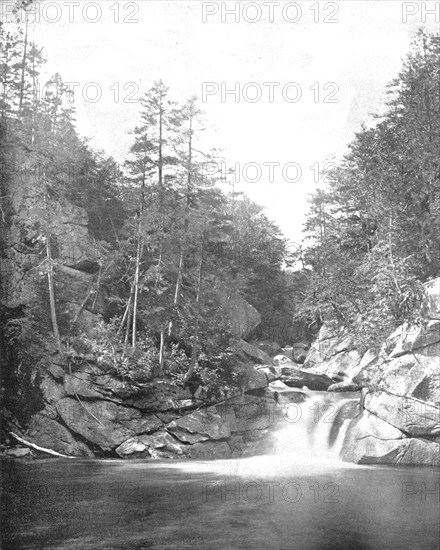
[38,448]
[162,332]
[194,350]
[139,251]
[185,225]
[322,231]
[127,309]
[23,68]
[161,350]
[178,287]
[53,312]
[162,335]
[390,251]
[127,328]
[132,305]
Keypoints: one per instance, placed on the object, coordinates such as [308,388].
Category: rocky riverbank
[78,408]
[90,413]
[400,418]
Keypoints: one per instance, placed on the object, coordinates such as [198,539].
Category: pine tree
[381,209]
[153,166]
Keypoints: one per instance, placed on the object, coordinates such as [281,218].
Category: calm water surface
[255,503]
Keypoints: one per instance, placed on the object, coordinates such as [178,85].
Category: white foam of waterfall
[339,443]
[309,438]
[314,431]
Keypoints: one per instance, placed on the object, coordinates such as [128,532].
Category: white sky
[360,54]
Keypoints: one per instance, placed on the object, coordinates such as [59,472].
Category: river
[253,503]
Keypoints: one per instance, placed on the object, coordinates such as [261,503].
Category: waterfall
[313,431]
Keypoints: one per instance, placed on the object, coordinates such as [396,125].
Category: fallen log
[37,448]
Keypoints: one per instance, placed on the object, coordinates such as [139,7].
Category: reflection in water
[300,497]
[254,503]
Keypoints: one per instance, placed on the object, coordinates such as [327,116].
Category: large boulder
[407,363]
[95,421]
[105,423]
[344,365]
[47,433]
[405,374]
[250,351]
[330,341]
[370,440]
[407,338]
[242,318]
[252,379]
[415,373]
[409,415]
[159,445]
[133,448]
[199,426]
[299,378]
[334,355]
[162,444]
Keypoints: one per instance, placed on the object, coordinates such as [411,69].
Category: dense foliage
[171,244]
[374,233]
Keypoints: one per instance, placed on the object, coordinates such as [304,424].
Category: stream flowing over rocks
[84,411]
[399,419]
[389,403]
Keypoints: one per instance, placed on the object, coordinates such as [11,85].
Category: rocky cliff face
[82,410]
[85,411]
[399,422]
[76,252]
[90,413]
[24,302]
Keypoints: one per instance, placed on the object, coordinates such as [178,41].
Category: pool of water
[249,503]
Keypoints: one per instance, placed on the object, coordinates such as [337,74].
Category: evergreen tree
[375,233]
